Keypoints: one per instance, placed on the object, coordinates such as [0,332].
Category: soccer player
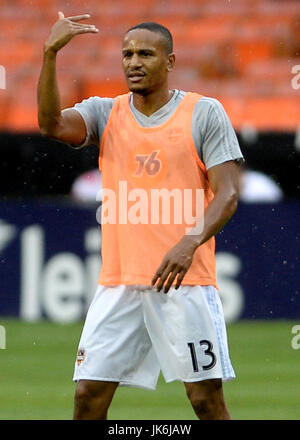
[157,306]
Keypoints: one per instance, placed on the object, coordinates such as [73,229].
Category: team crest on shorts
[80,356]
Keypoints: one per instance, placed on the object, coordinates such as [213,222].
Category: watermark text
[154,206]
[296,79]
[2,338]
[2,77]
[296,339]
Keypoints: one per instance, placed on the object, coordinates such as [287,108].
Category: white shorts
[131,333]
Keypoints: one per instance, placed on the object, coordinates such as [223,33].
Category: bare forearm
[49,110]
[224,182]
[217,214]
[65,126]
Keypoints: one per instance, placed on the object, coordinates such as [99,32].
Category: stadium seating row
[240,52]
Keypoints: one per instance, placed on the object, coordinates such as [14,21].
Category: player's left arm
[224,182]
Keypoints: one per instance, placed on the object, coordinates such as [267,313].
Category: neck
[150,103]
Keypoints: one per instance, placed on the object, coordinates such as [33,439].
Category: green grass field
[37,367]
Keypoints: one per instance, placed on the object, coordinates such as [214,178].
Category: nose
[135,60]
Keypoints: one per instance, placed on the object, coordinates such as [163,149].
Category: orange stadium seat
[109,88]
[251,50]
[269,114]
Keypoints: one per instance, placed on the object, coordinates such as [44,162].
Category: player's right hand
[65,29]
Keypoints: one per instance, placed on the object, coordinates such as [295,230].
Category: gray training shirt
[213,134]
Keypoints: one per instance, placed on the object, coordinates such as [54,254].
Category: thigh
[95,389]
[205,389]
[207,399]
[93,398]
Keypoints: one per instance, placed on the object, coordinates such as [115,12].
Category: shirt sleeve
[95,112]
[215,136]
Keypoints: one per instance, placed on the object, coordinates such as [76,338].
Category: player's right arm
[68,125]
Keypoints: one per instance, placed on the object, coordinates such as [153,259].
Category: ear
[171,62]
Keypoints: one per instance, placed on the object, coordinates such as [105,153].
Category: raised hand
[65,29]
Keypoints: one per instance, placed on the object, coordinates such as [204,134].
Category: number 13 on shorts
[207,346]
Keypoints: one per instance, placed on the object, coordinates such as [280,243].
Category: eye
[145,53]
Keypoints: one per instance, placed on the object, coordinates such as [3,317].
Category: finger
[164,276]
[61,15]
[75,24]
[79,17]
[77,31]
[170,280]
[83,26]
[180,278]
[159,272]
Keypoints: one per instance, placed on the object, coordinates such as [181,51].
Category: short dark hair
[158,28]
